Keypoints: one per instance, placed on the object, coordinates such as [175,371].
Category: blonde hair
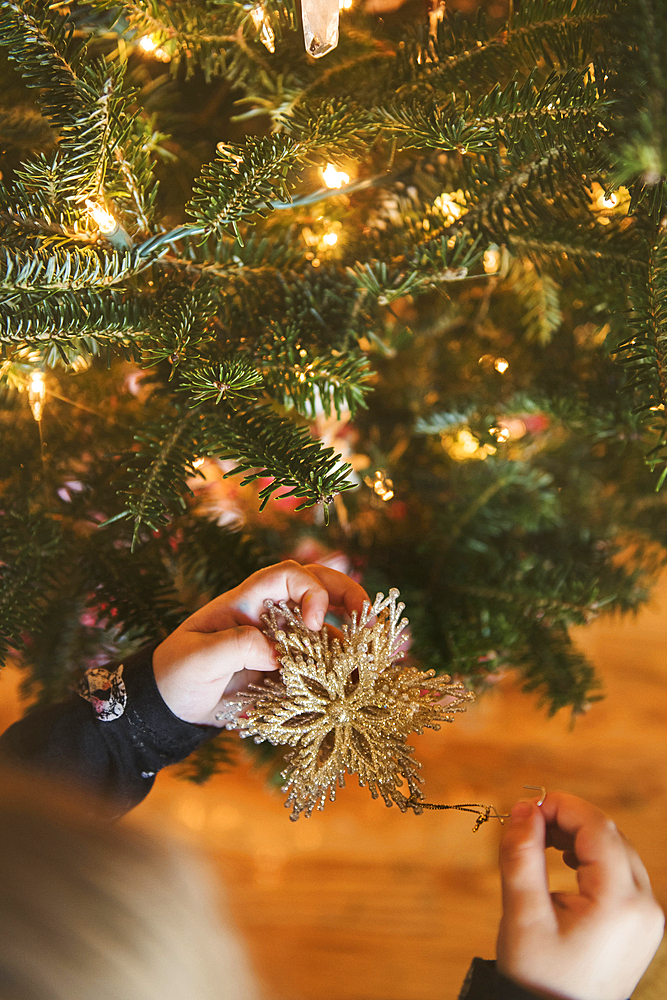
[90,911]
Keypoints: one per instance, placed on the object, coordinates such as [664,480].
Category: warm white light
[491,260]
[104,220]
[37,394]
[344,4]
[334,178]
[330,239]
[198,462]
[266,33]
[501,365]
[609,202]
[147,43]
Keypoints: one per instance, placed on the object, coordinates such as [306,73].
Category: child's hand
[220,648]
[594,945]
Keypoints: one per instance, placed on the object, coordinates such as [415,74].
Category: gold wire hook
[539,788]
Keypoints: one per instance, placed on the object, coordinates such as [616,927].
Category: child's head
[91,911]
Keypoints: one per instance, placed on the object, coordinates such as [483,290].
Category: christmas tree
[417,287]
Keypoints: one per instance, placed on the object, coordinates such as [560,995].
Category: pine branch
[551,665]
[58,269]
[539,296]
[228,380]
[644,354]
[211,40]
[155,483]
[218,558]
[639,142]
[45,63]
[257,439]
[105,314]
[551,32]
[180,326]
[299,378]
[264,442]
[29,546]
[137,586]
[334,124]
[91,138]
[211,758]
[243,182]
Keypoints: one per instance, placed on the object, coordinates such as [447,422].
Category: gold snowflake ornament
[346,705]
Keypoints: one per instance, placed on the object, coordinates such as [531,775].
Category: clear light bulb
[37,395]
[104,221]
[334,178]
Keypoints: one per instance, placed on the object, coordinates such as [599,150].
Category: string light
[266,32]
[500,433]
[465,446]
[198,462]
[451,204]
[37,395]
[605,203]
[334,178]
[322,241]
[104,221]
[151,47]
[491,260]
[344,4]
[109,227]
[501,365]
[381,486]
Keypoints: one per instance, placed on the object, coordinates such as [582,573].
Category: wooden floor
[363,903]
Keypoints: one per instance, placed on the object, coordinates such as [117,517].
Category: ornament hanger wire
[484,813]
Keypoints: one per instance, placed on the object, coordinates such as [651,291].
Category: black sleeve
[484,982]
[118,758]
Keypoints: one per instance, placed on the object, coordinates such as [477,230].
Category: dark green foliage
[226,380]
[29,548]
[243,182]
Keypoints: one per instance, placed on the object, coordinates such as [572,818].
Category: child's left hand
[220,649]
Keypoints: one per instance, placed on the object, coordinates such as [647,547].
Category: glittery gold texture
[346,706]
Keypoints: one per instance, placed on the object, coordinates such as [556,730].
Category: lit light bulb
[266,32]
[609,202]
[501,365]
[37,395]
[104,221]
[344,4]
[491,260]
[147,43]
[381,485]
[334,178]
[330,239]
[198,462]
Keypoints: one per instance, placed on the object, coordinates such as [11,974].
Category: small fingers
[523,871]
[343,591]
[591,840]
[315,588]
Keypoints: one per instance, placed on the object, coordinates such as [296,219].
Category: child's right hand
[220,648]
[591,945]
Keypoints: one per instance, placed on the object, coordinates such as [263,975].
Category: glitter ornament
[345,705]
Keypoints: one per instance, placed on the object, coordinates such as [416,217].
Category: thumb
[523,869]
